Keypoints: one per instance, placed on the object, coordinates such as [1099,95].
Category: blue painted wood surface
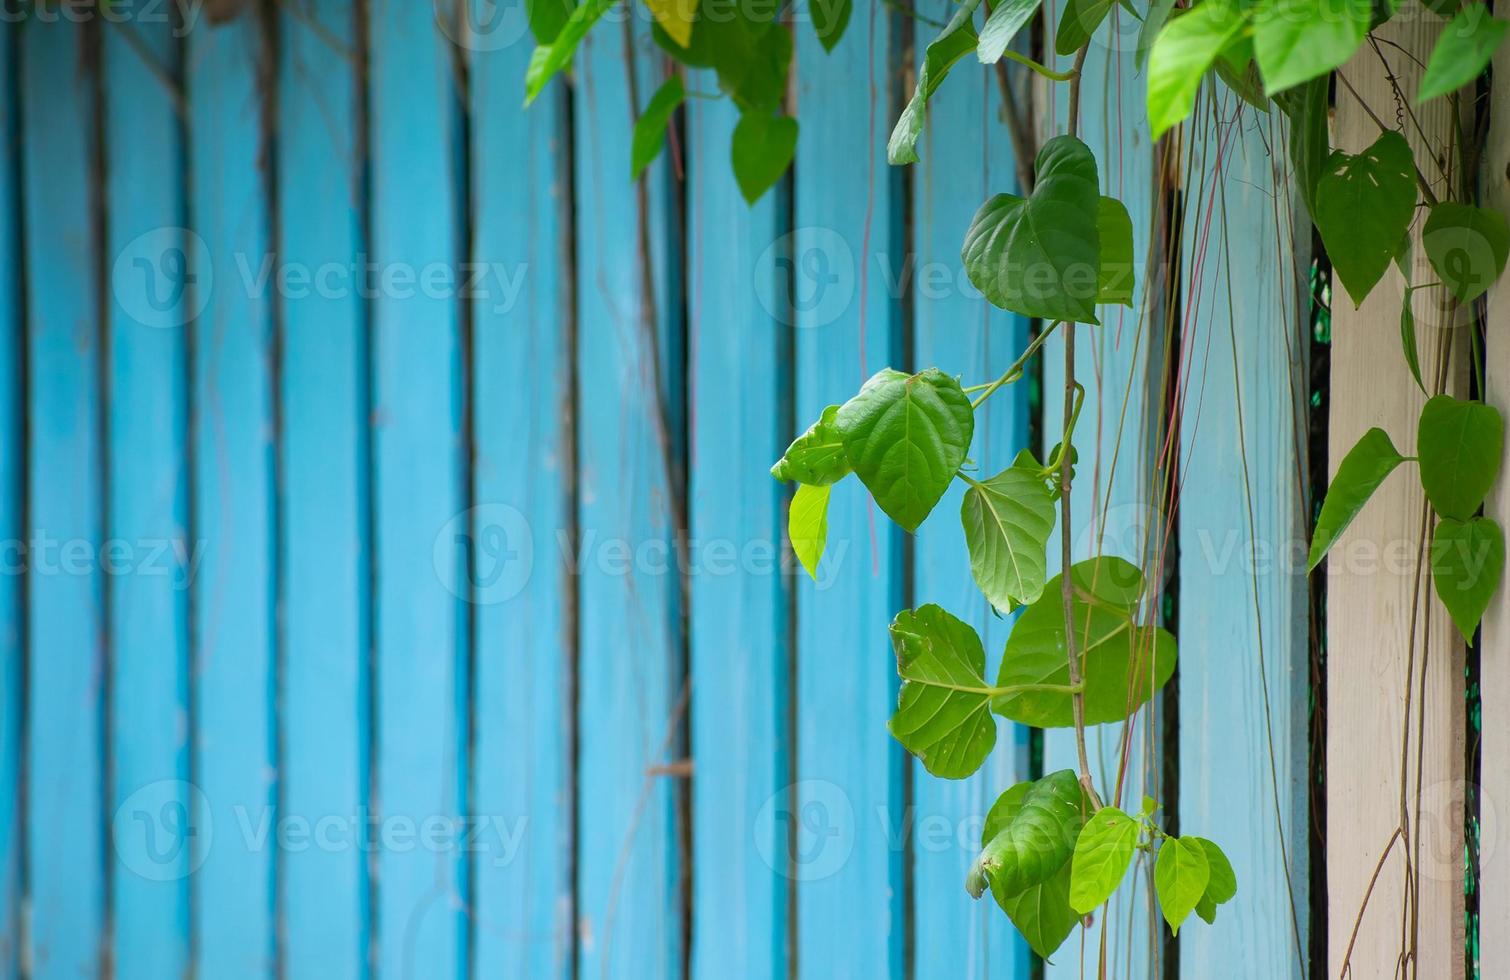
[325,707]
[234,510]
[849,851]
[522,484]
[966,156]
[12,520]
[1244,710]
[148,508]
[66,591]
[419,497]
[740,327]
[631,699]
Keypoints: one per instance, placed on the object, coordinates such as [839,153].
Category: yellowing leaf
[675,18]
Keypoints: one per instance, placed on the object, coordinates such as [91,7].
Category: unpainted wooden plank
[150,306]
[631,702]
[1243,602]
[523,468]
[966,157]
[325,694]
[741,599]
[12,519]
[847,804]
[234,508]
[1371,594]
[65,589]
[419,494]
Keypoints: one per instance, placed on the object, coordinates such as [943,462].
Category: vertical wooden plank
[740,657]
[151,304]
[1244,677]
[1370,593]
[966,157]
[234,500]
[325,552]
[629,699]
[12,518]
[1494,638]
[848,811]
[65,769]
[418,390]
[521,486]
[1113,497]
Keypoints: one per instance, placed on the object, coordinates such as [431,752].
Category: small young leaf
[1459,443]
[1102,855]
[1408,337]
[1179,879]
[830,17]
[906,436]
[1463,51]
[1221,887]
[1181,55]
[1115,282]
[1078,22]
[956,40]
[675,18]
[942,715]
[1467,246]
[762,149]
[1467,562]
[807,525]
[1364,204]
[548,59]
[1298,40]
[1040,256]
[1002,26]
[817,456]
[1358,475]
[1008,520]
[1036,840]
[650,128]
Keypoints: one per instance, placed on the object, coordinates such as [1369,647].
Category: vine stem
[1014,372]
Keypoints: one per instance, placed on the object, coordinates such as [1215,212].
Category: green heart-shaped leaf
[830,17]
[1358,475]
[1116,279]
[550,58]
[1040,256]
[762,149]
[650,128]
[1467,246]
[1298,40]
[1179,878]
[1008,520]
[942,715]
[1182,52]
[817,456]
[1035,837]
[906,436]
[1040,912]
[1002,26]
[807,525]
[1102,855]
[1463,51]
[1221,886]
[1467,563]
[1078,22]
[956,40]
[1458,443]
[1364,205]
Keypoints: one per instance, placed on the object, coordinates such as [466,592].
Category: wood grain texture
[1116,510]
[12,518]
[148,451]
[523,470]
[325,695]
[631,703]
[419,493]
[1244,665]
[234,509]
[847,804]
[741,599]
[65,589]
[966,157]
[1371,573]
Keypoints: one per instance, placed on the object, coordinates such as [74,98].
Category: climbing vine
[1080,653]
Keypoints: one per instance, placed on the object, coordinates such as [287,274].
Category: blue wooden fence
[393,585]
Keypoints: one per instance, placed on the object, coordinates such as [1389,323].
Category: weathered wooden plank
[64,770]
[1371,574]
[849,850]
[523,463]
[418,492]
[631,702]
[12,518]
[325,707]
[1114,498]
[966,157]
[148,445]
[234,501]
[1244,672]
[740,656]
[1494,639]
